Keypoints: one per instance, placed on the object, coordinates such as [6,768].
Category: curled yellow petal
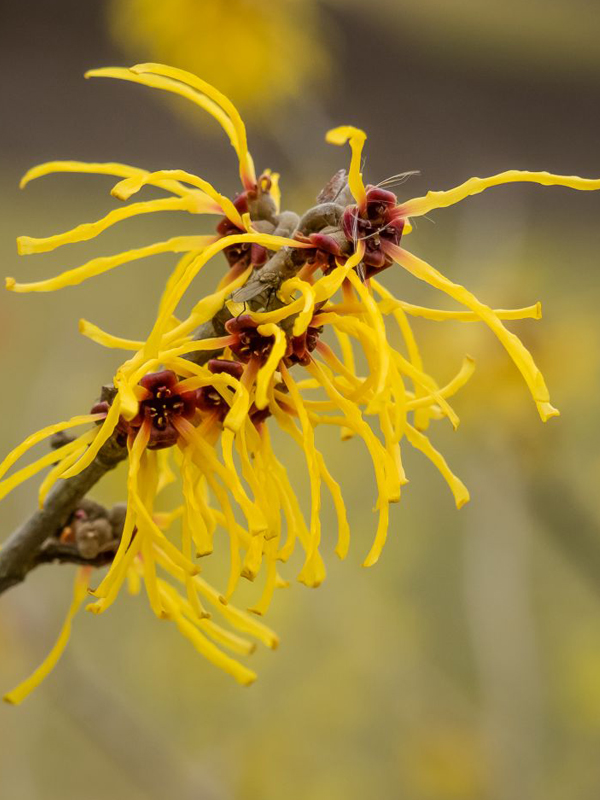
[422,443]
[515,348]
[239,619]
[97,266]
[462,376]
[83,167]
[103,435]
[266,372]
[45,433]
[96,334]
[88,230]
[357,139]
[179,288]
[205,647]
[24,689]
[206,200]
[70,455]
[247,173]
[432,200]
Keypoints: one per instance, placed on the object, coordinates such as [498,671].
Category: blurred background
[466,664]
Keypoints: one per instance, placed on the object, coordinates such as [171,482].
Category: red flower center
[379,224]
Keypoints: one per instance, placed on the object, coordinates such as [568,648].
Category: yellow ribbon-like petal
[432,200]
[515,348]
[357,139]
[24,689]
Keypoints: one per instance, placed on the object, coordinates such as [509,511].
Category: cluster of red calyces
[211,401]
[249,344]
[161,406]
[377,225]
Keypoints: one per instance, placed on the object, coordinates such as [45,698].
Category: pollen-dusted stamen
[249,344]
[378,225]
[160,405]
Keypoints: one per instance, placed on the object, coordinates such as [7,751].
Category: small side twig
[19,553]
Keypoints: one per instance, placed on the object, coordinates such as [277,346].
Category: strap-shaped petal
[206,200]
[97,266]
[94,168]
[247,173]
[89,230]
[24,689]
[514,346]
[357,139]
[432,200]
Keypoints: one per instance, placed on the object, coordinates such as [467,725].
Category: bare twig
[18,555]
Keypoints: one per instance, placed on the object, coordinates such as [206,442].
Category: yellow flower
[261,54]
[209,417]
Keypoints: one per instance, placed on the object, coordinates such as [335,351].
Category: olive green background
[466,664]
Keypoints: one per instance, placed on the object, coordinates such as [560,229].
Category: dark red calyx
[300,347]
[210,401]
[249,343]
[101,407]
[219,365]
[244,253]
[208,398]
[122,429]
[326,249]
[161,405]
[376,225]
[258,415]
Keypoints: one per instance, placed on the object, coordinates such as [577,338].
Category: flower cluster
[199,410]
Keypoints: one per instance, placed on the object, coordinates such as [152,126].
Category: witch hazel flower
[296,336]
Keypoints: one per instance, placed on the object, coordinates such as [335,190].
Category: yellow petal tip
[121,191]
[342,133]
[10,284]
[25,245]
[547,411]
[462,501]
[370,560]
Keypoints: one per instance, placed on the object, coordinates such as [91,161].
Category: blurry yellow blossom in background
[261,54]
